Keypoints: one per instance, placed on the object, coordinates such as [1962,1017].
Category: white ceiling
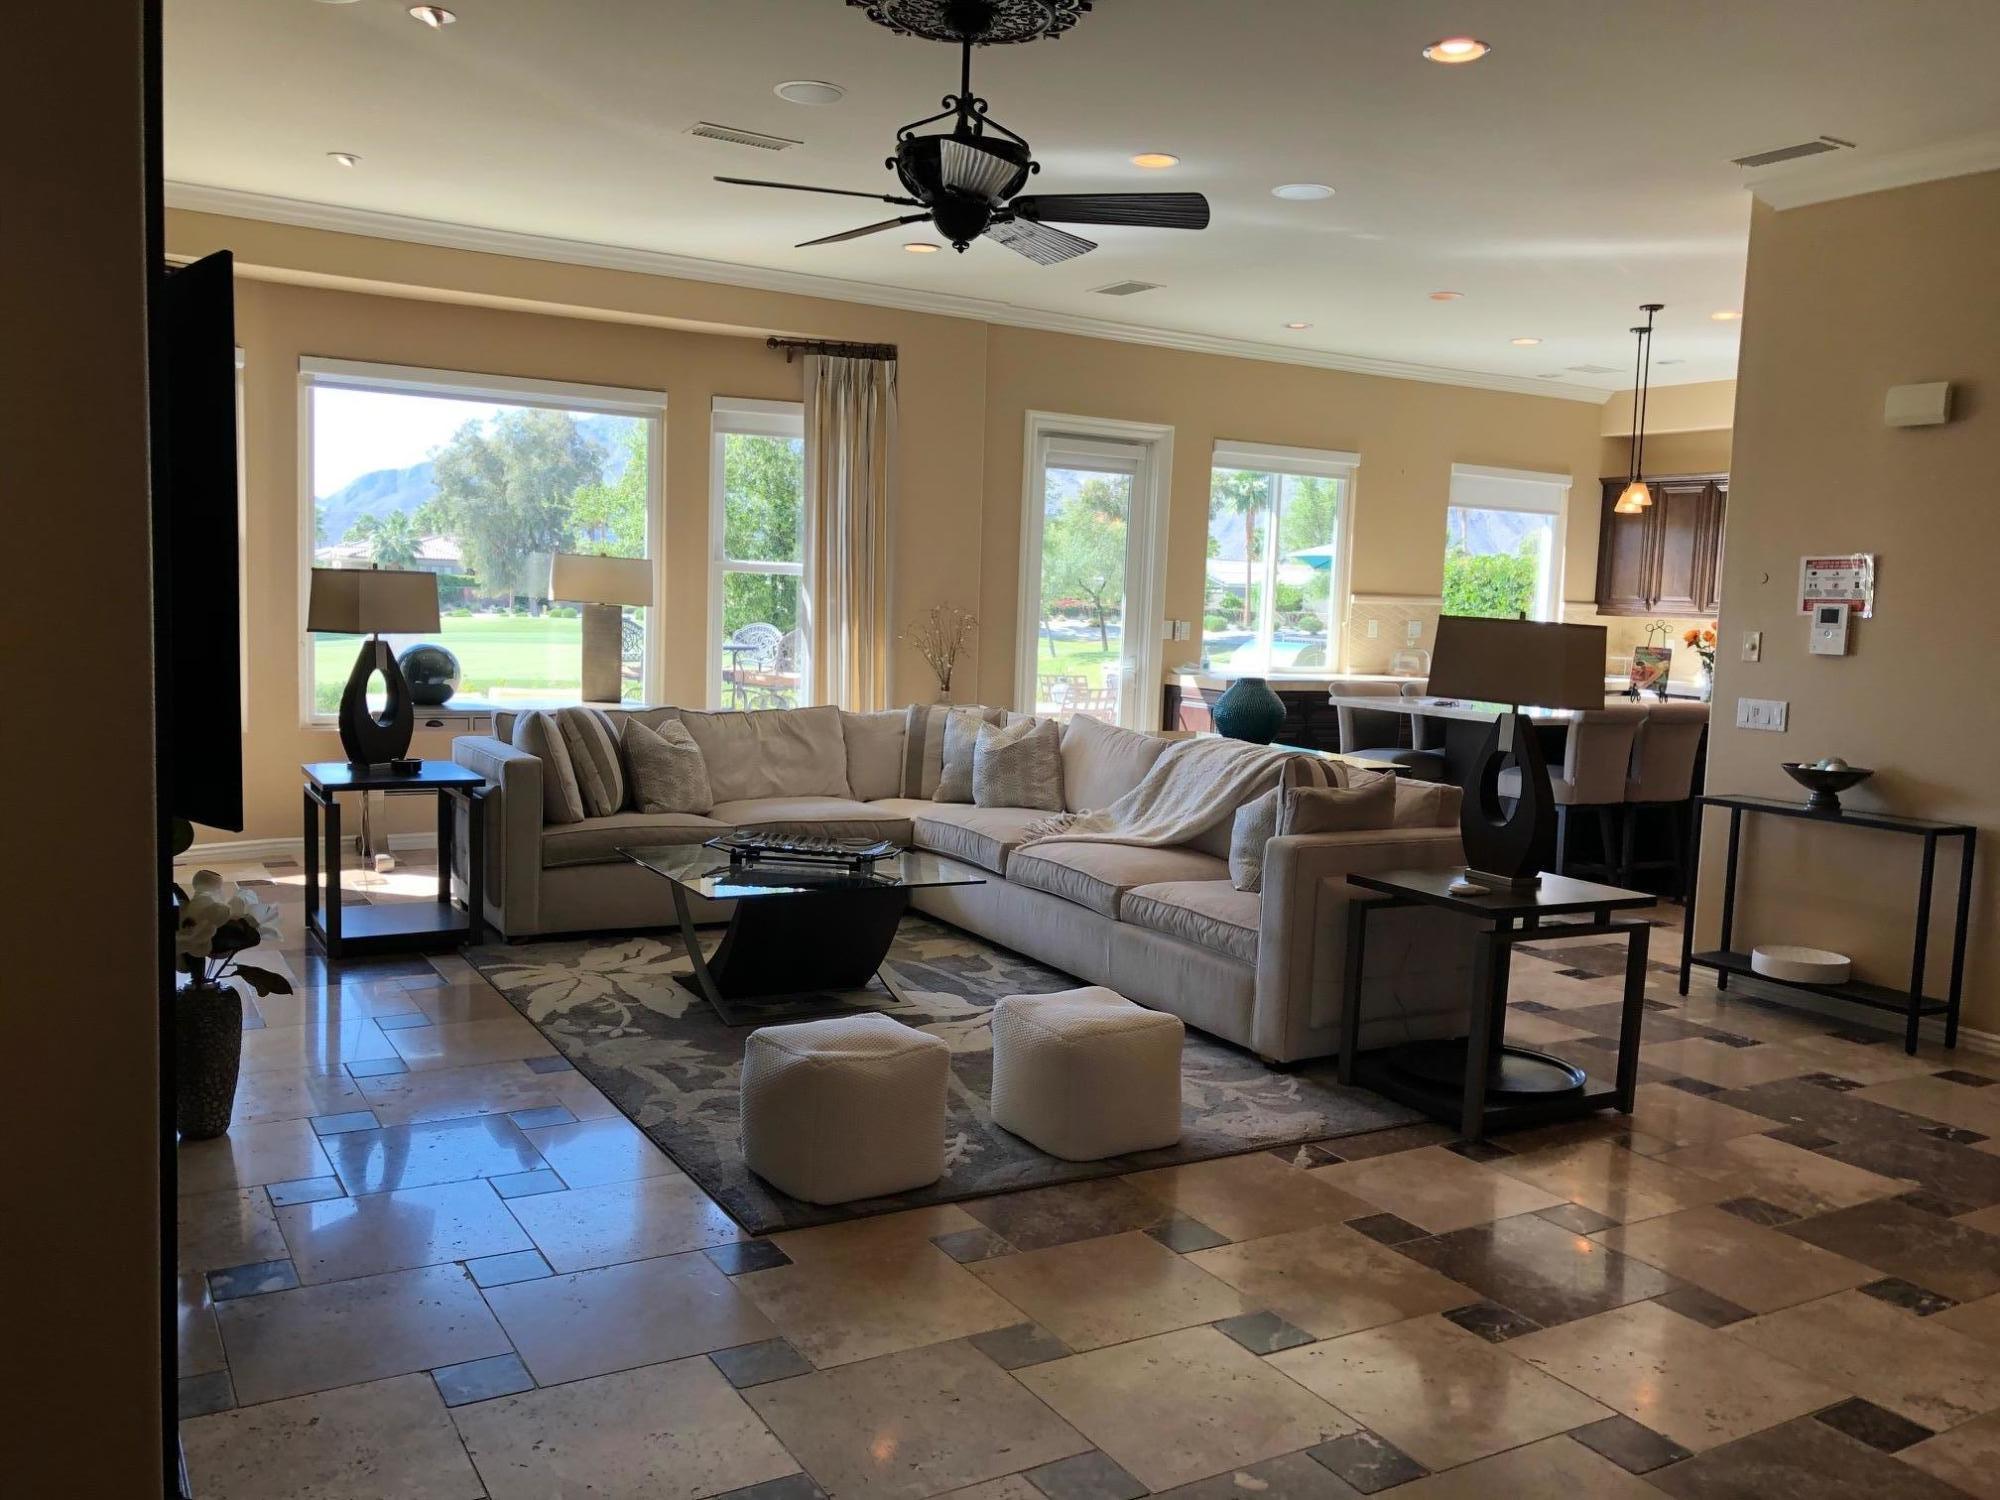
[1579,170]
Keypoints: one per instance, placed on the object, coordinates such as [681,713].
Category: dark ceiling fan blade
[1139,210]
[1040,243]
[855,234]
[799,187]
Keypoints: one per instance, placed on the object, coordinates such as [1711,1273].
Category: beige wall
[966,390]
[81,1001]
[1844,300]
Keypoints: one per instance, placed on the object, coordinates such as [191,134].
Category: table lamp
[603,586]
[370,602]
[1514,662]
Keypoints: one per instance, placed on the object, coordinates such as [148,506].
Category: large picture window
[757,474]
[478,480]
[1503,543]
[1278,527]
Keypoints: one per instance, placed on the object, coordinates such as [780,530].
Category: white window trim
[1146,533]
[742,416]
[616,401]
[1533,498]
[1305,463]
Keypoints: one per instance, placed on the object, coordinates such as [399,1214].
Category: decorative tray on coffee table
[797,849]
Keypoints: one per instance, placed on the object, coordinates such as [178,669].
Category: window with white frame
[757,482]
[1503,543]
[479,480]
[1279,527]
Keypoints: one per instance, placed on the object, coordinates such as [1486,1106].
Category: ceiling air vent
[1593,370]
[1819,146]
[729,135]
[1126,288]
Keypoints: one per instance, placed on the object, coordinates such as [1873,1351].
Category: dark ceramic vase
[1249,710]
[208,1049]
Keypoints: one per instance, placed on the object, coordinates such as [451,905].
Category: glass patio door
[1087,644]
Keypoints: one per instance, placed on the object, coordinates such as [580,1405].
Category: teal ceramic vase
[1249,710]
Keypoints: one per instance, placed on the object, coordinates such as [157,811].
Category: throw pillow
[1346,809]
[961,738]
[1427,804]
[923,745]
[874,753]
[592,741]
[1019,766]
[668,773]
[1255,825]
[536,734]
[772,752]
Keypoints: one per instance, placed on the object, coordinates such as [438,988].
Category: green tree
[1495,585]
[612,514]
[394,540]
[763,498]
[505,489]
[1245,495]
[1083,552]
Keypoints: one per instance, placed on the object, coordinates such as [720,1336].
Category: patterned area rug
[611,1006]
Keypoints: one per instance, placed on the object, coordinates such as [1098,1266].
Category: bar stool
[1368,734]
[1661,778]
[1597,757]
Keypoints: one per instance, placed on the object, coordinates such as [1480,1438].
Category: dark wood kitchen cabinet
[1667,560]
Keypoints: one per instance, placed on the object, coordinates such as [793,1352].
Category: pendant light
[1636,497]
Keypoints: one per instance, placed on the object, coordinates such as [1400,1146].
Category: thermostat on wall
[1829,630]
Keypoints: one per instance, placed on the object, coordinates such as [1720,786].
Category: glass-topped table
[797,931]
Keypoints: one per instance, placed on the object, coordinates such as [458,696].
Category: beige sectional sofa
[1165,927]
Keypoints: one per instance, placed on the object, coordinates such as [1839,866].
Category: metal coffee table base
[781,955]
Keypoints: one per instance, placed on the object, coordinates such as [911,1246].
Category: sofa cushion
[982,836]
[923,745]
[961,743]
[772,752]
[1339,809]
[1019,766]
[1255,826]
[592,741]
[1102,762]
[665,769]
[1207,913]
[1097,875]
[538,735]
[596,841]
[1423,804]
[822,817]
[874,752]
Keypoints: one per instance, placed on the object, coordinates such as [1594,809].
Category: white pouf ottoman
[845,1108]
[1086,1074]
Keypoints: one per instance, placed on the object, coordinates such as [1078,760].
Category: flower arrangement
[1702,638]
[941,637]
[216,923]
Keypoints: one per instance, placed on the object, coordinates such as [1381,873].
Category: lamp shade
[583,579]
[1633,499]
[372,601]
[1519,662]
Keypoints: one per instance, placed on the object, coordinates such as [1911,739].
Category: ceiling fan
[967,180]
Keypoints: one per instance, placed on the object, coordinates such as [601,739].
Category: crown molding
[231,203]
[1850,174]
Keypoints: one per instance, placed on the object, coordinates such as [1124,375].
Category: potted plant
[215,923]
[941,637]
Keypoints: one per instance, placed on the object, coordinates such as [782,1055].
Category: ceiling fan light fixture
[1155,161]
[1456,49]
[1634,498]
[922,247]
[1524,343]
[434,16]
[1446,296]
[343,158]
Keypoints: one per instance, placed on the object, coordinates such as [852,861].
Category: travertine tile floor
[432,1261]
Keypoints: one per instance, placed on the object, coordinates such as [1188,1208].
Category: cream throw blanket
[1192,787]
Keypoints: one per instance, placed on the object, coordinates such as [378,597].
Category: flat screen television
[195,561]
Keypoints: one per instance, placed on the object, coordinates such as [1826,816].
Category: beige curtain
[850,451]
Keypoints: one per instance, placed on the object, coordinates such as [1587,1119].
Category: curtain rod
[828,346]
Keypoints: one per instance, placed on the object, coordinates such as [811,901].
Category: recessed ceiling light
[344,158]
[1725,315]
[434,16]
[1457,49]
[1155,161]
[810,91]
[1302,192]
[1446,296]
[921,247]
[1297,327]
[1524,343]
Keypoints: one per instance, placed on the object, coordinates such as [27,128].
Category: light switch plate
[1753,645]
[1761,713]
[1416,631]
[1374,629]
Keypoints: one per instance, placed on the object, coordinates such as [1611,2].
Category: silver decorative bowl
[1825,786]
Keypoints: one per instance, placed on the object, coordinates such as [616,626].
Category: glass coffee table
[797,931]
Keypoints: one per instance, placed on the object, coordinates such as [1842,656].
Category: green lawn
[1073,659]
[500,656]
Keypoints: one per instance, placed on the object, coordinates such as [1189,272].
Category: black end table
[401,926]
[1482,1083]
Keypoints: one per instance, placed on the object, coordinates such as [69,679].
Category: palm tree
[1243,493]
[396,542]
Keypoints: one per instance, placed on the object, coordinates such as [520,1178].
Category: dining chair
[1597,755]
[1380,735]
[1661,779]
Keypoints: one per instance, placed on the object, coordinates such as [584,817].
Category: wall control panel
[1829,630]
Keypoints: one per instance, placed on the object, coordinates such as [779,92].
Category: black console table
[1912,1002]
[402,926]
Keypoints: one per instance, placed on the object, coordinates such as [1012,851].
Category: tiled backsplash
[1392,616]
[1625,632]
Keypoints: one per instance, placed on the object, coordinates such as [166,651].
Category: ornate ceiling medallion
[982,22]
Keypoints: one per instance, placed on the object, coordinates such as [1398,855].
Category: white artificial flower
[194,933]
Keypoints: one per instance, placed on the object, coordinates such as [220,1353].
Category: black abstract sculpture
[1508,847]
[370,738]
